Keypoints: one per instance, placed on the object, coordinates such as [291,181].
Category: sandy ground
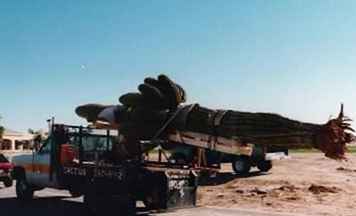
[307,184]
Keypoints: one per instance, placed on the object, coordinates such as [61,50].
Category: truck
[82,161]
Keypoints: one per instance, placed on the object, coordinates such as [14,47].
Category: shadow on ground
[223,178]
[52,206]
[61,206]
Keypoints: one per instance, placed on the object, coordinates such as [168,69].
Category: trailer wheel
[241,165]
[264,165]
[24,192]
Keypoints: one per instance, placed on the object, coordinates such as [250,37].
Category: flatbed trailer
[206,151]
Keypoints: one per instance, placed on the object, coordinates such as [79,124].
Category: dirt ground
[308,183]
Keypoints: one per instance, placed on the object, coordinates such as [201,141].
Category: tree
[38,136]
[35,132]
[2,130]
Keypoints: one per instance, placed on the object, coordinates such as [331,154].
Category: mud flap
[181,191]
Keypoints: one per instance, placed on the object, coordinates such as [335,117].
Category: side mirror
[37,146]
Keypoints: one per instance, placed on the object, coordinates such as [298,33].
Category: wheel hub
[239,165]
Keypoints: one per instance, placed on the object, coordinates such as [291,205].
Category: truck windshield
[86,144]
[96,143]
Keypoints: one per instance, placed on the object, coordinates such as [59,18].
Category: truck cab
[46,165]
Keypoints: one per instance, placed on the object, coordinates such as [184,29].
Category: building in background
[13,142]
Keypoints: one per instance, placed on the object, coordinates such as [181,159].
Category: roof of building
[9,132]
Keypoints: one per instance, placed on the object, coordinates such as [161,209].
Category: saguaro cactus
[157,107]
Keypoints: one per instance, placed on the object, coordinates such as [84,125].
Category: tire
[8,182]
[264,165]
[24,192]
[241,165]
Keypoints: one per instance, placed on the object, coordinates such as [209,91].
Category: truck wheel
[8,182]
[241,164]
[24,192]
[264,165]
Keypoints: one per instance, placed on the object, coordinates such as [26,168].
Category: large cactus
[158,107]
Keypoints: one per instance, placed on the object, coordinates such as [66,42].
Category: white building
[13,141]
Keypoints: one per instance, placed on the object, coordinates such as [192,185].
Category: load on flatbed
[158,112]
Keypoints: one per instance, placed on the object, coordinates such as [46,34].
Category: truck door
[42,166]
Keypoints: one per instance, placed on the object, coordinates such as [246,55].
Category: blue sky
[296,58]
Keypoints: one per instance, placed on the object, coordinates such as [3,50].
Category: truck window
[92,145]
